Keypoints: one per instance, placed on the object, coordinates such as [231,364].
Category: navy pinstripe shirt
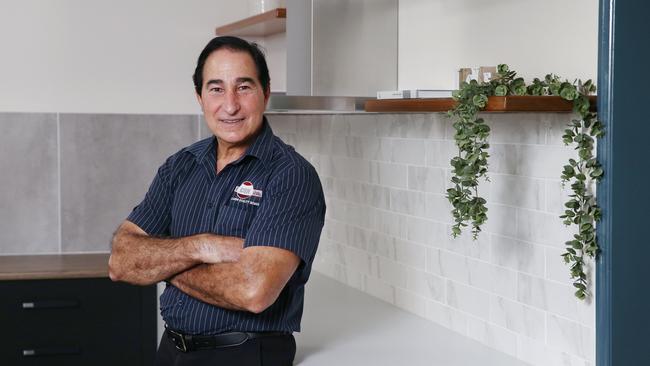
[271,196]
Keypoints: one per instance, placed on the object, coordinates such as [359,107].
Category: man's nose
[231,102]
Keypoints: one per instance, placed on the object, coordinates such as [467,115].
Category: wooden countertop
[53,266]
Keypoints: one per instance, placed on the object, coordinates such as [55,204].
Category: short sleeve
[153,214]
[291,214]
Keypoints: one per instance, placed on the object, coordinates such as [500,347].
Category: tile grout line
[58,169]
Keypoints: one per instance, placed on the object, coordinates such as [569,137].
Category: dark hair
[233,44]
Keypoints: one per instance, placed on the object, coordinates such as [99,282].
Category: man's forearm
[222,284]
[141,259]
[252,283]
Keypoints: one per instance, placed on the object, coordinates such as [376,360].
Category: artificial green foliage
[471,164]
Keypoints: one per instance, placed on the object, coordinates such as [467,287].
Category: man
[231,223]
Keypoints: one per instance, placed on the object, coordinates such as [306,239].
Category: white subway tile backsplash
[557,124]
[426,179]
[383,245]
[541,227]
[388,174]
[426,284]
[392,272]
[556,268]
[392,224]
[411,254]
[380,289]
[349,168]
[538,354]
[388,227]
[466,245]
[543,161]
[571,337]
[518,255]
[361,124]
[502,220]
[283,123]
[519,128]
[408,151]
[447,316]
[454,266]
[427,125]
[532,291]
[408,202]
[439,153]
[492,278]
[425,231]
[518,317]
[503,158]
[468,299]
[492,335]
[433,264]
[556,196]
[411,301]
[561,301]
[517,191]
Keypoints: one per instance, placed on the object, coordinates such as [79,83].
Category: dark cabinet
[88,321]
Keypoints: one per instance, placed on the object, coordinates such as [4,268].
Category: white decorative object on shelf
[260,6]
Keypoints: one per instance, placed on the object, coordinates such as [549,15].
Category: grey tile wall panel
[29,183]
[203,129]
[107,164]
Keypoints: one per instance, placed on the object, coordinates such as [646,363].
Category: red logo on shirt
[246,191]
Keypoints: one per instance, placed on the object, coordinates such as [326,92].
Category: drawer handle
[50,304]
[51,351]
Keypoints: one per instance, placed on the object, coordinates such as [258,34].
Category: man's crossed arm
[212,268]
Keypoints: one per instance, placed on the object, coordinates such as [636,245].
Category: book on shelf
[414,94]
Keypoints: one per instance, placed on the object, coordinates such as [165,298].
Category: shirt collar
[261,148]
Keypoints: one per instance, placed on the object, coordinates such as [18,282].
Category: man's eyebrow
[245,80]
[214,81]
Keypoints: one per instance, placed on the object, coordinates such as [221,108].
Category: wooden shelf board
[495,104]
[264,24]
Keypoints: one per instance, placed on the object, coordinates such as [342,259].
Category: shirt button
[210,204]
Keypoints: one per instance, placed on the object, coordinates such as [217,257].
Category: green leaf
[501,90]
[480,100]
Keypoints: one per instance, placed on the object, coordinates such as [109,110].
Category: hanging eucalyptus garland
[471,163]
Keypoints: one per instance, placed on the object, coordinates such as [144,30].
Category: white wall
[114,56]
[437,37]
[137,56]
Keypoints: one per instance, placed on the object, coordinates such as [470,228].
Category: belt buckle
[183,346]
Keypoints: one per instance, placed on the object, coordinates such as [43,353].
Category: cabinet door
[77,322]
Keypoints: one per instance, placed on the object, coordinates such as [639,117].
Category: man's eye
[216,90]
[244,87]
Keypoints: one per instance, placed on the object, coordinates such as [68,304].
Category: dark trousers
[266,351]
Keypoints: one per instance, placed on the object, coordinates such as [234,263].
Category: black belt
[187,343]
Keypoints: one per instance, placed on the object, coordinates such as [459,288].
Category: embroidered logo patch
[245,191]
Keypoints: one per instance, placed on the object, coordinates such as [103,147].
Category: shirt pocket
[234,218]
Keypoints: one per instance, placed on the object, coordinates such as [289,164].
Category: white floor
[343,326]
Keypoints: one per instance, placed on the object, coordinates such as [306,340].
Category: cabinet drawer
[77,321]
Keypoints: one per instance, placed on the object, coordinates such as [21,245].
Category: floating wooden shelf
[264,24]
[495,104]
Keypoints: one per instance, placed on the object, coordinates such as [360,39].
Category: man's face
[232,97]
